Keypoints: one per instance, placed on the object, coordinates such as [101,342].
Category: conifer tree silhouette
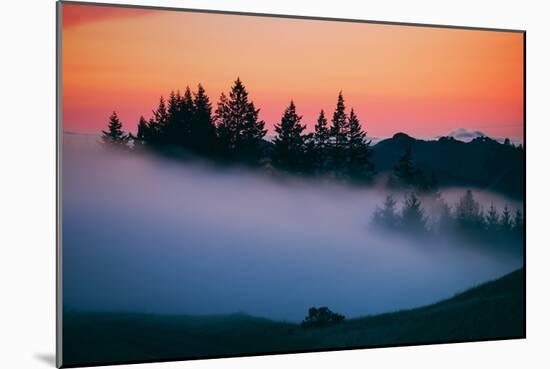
[203,131]
[492,219]
[386,217]
[170,134]
[412,216]
[359,151]
[506,219]
[115,137]
[468,213]
[321,141]
[518,222]
[289,142]
[187,110]
[405,171]
[240,129]
[339,135]
[159,122]
[143,134]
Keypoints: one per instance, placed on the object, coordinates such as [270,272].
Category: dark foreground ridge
[494,310]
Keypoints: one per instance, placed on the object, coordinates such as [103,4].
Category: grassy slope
[492,310]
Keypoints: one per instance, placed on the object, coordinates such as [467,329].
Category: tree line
[234,132]
[466,219]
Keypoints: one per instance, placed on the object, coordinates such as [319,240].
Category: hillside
[482,162]
[494,310]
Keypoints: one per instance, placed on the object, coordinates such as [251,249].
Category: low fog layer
[143,234]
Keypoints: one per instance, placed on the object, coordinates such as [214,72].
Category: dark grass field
[494,310]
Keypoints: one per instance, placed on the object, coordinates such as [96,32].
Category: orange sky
[419,80]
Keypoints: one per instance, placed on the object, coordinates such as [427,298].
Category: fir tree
[339,132]
[143,134]
[173,118]
[159,122]
[405,170]
[202,130]
[114,136]
[226,128]
[468,212]
[386,217]
[430,186]
[359,151]
[518,222]
[240,129]
[492,220]
[321,141]
[445,220]
[412,217]
[506,219]
[289,141]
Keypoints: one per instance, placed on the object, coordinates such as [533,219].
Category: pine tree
[405,170]
[240,129]
[359,151]
[115,137]
[468,212]
[339,135]
[506,219]
[445,220]
[186,106]
[321,141]
[185,117]
[289,141]
[203,131]
[412,217]
[173,118]
[430,186]
[518,222]
[159,122]
[492,220]
[386,217]
[226,129]
[143,133]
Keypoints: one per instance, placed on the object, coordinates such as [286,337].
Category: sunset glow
[419,80]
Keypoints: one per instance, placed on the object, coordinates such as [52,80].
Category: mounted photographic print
[234,184]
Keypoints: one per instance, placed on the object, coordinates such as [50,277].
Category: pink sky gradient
[419,80]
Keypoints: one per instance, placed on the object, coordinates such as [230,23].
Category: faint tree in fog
[387,216]
[492,219]
[445,220]
[506,219]
[412,215]
[114,136]
[290,141]
[468,213]
[517,224]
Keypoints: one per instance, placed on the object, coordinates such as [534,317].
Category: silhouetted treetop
[358,150]
[289,141]
[239,128]
[114,136]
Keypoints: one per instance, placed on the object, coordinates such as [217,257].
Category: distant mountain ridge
[483,162]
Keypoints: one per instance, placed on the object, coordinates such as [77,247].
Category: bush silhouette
[321,317]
